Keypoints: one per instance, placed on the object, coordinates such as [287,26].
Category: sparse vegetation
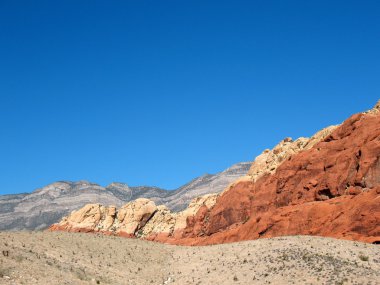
[57,258]
[4,272]
[19,258]
[363,257]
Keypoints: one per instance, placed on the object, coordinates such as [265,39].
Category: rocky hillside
[326,185]
[49,204]
[330,189]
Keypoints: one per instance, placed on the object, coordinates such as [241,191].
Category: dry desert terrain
[72,258]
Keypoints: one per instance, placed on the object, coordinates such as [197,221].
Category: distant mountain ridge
[46,205]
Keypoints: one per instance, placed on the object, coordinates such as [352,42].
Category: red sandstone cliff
[328,185]
[332,189]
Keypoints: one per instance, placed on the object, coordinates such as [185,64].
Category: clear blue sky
[159,92]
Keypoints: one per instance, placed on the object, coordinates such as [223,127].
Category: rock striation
[47,205]
[328,185]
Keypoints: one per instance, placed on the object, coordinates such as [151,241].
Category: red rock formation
[331,190]
[327,186]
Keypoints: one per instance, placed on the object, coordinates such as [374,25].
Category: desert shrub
[4,272]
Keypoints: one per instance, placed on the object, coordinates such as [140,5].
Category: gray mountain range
[47,205]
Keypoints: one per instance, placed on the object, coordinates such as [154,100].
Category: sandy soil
[66,258]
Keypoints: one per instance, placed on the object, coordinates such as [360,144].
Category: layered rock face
[47,205]
[328,185]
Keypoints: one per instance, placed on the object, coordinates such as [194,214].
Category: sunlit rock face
[330,189]
[140,218]
[327,185]
[47,205]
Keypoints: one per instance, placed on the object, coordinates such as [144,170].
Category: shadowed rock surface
[47,205]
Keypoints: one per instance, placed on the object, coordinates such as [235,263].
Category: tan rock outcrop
[140,218]
[89,217]
[110,218]
[97,218]
[162,223]
[270,160]
[134,215]
[165,225]
[375,110]
[207,201]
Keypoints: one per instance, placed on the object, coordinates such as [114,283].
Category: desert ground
[72,258]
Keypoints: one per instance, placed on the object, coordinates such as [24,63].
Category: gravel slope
[66,258]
